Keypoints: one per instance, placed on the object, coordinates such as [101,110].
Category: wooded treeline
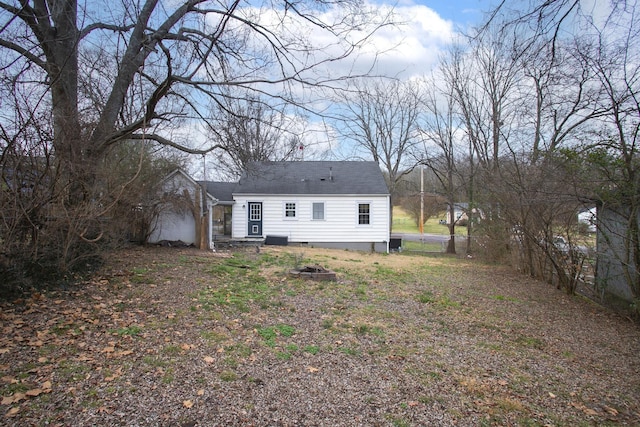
[528,120]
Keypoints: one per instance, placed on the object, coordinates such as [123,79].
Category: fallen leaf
[209,359]
[502,382]
[200,392]
[611,410]
[8,400]
[12,412]
[312,369]
[108,349]
[186,346]
[413,403]
[187,403]
[46,386]
[551,395]
[34,392]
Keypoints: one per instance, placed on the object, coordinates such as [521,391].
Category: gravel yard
[180,337]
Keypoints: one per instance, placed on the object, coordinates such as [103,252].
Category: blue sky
[459,11]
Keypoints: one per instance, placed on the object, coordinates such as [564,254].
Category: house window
[290,210]
[364,213]
[255,212]
[318,211]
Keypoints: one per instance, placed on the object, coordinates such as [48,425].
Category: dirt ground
[180,337]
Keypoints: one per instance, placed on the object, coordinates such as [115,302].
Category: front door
[255,219]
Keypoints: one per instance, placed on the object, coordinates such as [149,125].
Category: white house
[588,217]
[459,213]
[318,203]
[183,212]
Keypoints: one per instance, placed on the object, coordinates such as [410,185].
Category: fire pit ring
[313,272]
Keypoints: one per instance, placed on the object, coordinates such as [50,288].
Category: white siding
[340,222]
[176,222]
[174,226]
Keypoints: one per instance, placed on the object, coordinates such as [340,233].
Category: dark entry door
[254,210]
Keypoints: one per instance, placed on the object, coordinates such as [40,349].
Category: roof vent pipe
[330,173]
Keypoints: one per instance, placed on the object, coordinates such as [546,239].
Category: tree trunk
[451,245]
[61,50]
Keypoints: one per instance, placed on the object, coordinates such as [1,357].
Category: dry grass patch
[166,337]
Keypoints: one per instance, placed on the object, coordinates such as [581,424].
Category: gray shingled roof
[310,177]
[220,190]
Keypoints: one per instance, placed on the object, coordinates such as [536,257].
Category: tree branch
[168,143]
[24,52]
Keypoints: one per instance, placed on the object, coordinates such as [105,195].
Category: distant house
[319,203]
[184,212]
[459,213]
[588,217]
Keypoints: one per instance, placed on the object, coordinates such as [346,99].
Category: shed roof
[313,177]
[180,172]
[223,191]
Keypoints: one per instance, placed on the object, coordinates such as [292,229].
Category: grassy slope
[166,337]
[403,223]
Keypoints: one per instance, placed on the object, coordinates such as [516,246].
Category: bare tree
[380,119]
[88,79]
[431,205]
[249,129]
[561,98]
[485,86]
[443,145]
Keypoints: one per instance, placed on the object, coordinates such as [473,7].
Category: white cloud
[412,46]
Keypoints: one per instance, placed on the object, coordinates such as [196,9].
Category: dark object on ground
[315,272]
[277,240]
[173,244]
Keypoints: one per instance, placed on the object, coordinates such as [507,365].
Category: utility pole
[204,167]
[421,201]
